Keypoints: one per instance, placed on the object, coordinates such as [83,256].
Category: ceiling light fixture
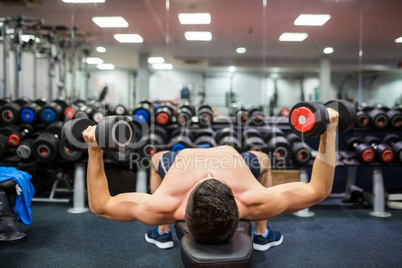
[293,37]
[83,1]
[312,19]
[194,18]
[101,49]
[398,40]
[154,60]
[105,66]
[128,38]
[93,60]
[232,69]
[198,36]
[162,66]
[328,50]
[241,50]
[110,22]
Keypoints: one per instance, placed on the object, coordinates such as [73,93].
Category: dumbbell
[120,109]
[363,151]
[391,139]
[382,151]
[362,118]
[278,146]
[395,117]
[24,149]
[10,111]
[112,133]
[184,114]
[241,116]
[52,111]
[30,112]
[204,138]
[164,114]
[155,140]
[300,150]
[15,134]
[397,150]
[378,117]
[144,112]
[311,118]
[256,117]
[205,115]
[84,111]
[252,140]
[285,111]
[181,138]
[228,136]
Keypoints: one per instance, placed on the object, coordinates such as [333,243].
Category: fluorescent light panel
[312,19]
[328,50]
[128,38]
[293,37]
[195,18]
[198,36]
[105,66]
[241,50]
[83,1]
[154,60]
[93,60]
[110,22]
[162,66]
[101,49]
[398,40]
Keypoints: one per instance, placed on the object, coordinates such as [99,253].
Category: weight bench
[8,218]
[236,252]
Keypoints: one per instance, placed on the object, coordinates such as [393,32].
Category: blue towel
[23,201]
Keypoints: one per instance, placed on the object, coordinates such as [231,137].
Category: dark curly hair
[212,215]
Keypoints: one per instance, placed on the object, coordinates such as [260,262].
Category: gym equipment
[143,113]
[256,117]
[228,136]
[113,133]
[4,145]
[252,140]
[397,150]
[395,117]
[382,151]
[45,147]
[363,119]
[300,150]
[278,146]
[164,114]
[204,138]
[311,118]
[84,111]
[285,111]
[181,138]
[364,152]
[155,140]
[241,116]
[24,149]
[53,111]
[205,115]
[17,133]
[391,139]
[236,252]
[30,112]
[378,117]
[184,114]
[10,111]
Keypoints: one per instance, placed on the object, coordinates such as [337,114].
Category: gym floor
[337,236]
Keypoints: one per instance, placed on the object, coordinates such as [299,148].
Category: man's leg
[264,237]
[160,235]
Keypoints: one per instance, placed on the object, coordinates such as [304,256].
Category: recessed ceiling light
[101,49]
[398,40]
[241,50]
[153,60]
[328,50]
[198,36]
[195,18]
[312,19]
[232,69]
[293,37]
[105,66]
[83,1]
[110,22]
[128,38]
[92,60]
[162,66]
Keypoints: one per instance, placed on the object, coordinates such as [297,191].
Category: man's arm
[295,196]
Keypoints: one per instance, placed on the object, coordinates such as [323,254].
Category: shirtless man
[211,189]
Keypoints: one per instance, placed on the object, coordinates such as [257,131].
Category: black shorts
[167,159]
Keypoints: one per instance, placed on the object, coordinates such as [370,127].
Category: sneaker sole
[160,245]
[265,247]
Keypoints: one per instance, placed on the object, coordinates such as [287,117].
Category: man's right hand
[89,137]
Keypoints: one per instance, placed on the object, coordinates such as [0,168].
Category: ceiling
[235,23]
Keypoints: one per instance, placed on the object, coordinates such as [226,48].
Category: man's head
[212,215]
